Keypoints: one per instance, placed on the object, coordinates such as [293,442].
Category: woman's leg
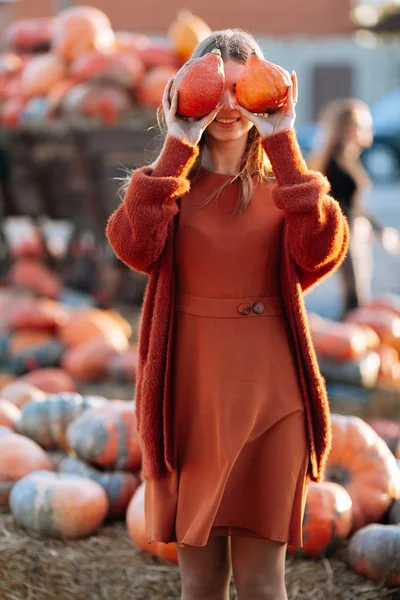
[206,570]
[258,568]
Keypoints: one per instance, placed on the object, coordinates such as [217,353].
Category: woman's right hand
[184,128]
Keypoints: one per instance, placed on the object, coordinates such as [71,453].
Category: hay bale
[107,566]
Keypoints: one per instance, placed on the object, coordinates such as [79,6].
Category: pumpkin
[361,461]
[42,73]
[58,504]
[151,89]
[118,485]
[388,430]
[29,34]
[135,520]
[5,430]
[124,69]
[387,301]
[158,54]
[36,356]
[341,341]
[123,366]
[81,28]
[19,456]
[126,41]
[89,361]
[386,324]
[36,313]
[25,338]
[20,392]
[200,84]
[9,414]
[389,372]
[47,421]
[58,92]
[33,275]
[327,520]
[362,372]
[186,33]
[87,323]
[107,436]
[50,380]
[10,63]
[374,552]
[262,86]
[56,457]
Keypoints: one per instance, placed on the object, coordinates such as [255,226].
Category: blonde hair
[333,120]
[234,44]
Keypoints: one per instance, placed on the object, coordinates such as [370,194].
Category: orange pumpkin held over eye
[262,86]
[200,84]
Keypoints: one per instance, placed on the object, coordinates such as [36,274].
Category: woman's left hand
[281,119]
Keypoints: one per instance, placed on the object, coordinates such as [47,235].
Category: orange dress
[239,424]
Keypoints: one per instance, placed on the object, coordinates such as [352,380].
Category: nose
[228,99]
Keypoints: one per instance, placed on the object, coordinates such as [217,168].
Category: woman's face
[360,130]
[229,125]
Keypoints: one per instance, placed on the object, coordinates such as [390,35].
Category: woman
[345,131]
[231,410]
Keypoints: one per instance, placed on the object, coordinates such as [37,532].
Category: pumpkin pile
[363,350]
[76,65]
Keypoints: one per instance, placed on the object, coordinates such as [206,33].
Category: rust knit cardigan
[141,231]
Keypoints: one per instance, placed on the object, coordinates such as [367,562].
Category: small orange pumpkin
[361,461]
[50,380]
[327,519]
[9,414]
[58,504]
[135,520]
[106,436]
[262,86]
[200,85]
[151,89]
[20,392]
[89,360]
[19,456]
[186,33]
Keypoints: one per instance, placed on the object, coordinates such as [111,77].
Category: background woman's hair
[234,44]
[333,121]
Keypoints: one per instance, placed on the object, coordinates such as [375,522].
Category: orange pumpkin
[82,28]
[374,552]
[387,301]
[135,520]
[118,485]
[59,504]
[362,462]
[200,85]
[20,392]
[107,436]
[158,54]
[389,372]
[262,86]
[388,430]
[42,73]
[24,338]
[19,456]
[327,519]
[36,313]
[33,275]
[29,34]
[50,380]
[9,414]
[151,89]
[126,41]
[46,422]
[89,361]
[186,33]
[386,324]
[125,69]
[87,323]
[341,341]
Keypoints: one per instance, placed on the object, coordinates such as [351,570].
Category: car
[382,159]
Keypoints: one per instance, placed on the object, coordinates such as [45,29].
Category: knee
[214,585]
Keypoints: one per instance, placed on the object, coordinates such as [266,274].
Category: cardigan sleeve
[137,229]
[317,232]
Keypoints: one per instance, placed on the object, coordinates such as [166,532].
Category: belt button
[258,308]
[244,308]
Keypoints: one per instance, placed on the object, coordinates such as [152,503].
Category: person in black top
[345,130]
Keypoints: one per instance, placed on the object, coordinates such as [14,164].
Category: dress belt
[252,306]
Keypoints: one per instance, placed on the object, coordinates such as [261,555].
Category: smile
[227,121]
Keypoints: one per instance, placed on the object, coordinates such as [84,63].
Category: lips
[230,121]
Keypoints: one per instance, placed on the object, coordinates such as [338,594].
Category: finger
[210,117]
[290,104]
[295,87]
[165,98]
[174,104]
[246,113]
